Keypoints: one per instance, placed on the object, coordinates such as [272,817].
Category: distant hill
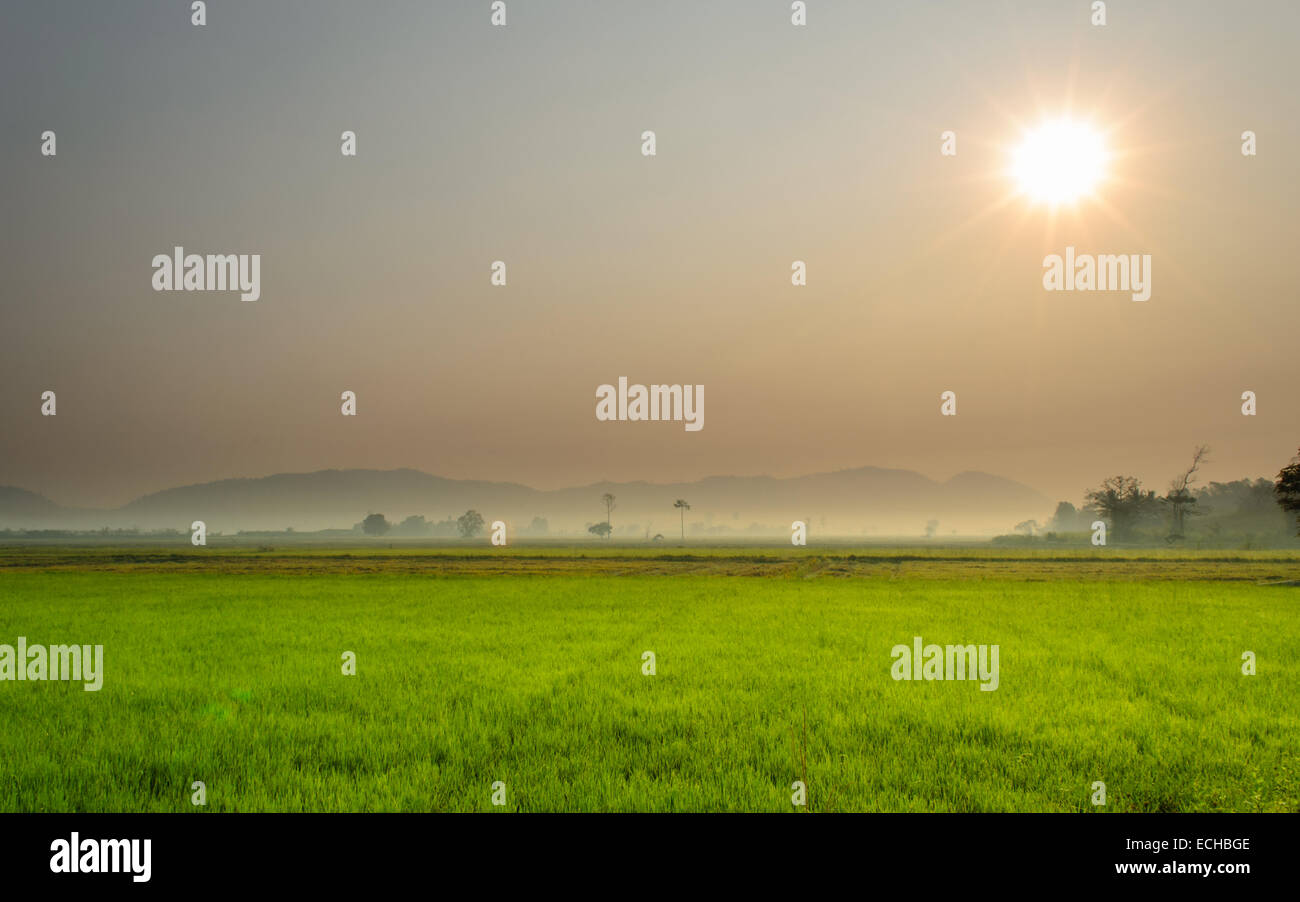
[865,500]
[19,506]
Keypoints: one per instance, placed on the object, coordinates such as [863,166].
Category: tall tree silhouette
[681,505]
[1287,489]
[1180,497]
[609,509]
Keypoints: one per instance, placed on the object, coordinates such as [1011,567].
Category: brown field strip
[1281,569]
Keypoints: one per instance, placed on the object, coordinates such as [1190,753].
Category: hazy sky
[522,143]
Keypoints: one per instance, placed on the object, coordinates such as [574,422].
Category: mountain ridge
[854,500]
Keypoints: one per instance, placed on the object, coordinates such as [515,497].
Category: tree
[600,529]
[681,505]
[1027,527]
[608,499]
[1120,500]
[444,528]
[414,525]
[1179,499]
[470,524]
[375,525]
[1242,496]
[1287,489]
[1066,519]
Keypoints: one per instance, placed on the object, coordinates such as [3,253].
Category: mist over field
[868,503]
[864,501]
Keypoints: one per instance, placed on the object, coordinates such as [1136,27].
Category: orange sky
[522,144]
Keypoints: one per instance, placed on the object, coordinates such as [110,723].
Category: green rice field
[524,667]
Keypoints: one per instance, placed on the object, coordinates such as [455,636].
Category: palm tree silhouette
[681,505]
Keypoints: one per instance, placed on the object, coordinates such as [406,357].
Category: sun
[1060,161]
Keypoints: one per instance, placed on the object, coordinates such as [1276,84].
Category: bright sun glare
[1059,162]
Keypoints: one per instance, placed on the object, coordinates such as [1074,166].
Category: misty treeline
[466,526]
[1245,511]
[104,532]
[471,523]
